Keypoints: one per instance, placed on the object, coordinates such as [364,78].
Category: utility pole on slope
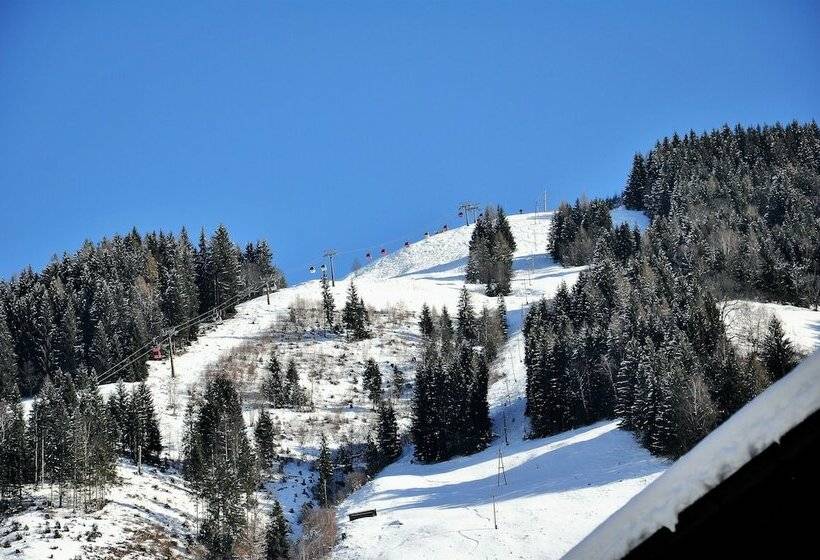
[170,333]
[330,253]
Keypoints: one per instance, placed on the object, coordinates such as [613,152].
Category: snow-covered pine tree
[446,332]
[93,444]
[466,330]
[354,315]
[263,434]
[636,185]
[423,429]
[426,326]
[328,304]
[294,395]
[12,425]
[143,425]
[118,411]
[479,409]
[778,353]
[273,387]
[388,434]
[372,380]
[204,274]
[276,535]
[187,272]
[220,465]
[372,458]
[324,466]
[226,269]
[397,381]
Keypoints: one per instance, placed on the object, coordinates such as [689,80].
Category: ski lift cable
[129,360]
[141,352]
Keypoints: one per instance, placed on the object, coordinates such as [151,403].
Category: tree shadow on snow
[557,464]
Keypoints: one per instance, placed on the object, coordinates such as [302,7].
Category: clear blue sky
[347,123]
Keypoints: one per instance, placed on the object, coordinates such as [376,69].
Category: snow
[635,218]
[747,322]
[558,489]
[744,435]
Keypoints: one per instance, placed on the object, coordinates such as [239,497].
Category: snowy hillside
[557,489]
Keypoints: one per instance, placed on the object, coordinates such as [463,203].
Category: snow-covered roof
[747,433]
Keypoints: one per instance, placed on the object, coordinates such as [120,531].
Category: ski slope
[553,491]
[557,489]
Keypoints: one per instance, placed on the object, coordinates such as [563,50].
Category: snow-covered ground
[557,489]
[747,322]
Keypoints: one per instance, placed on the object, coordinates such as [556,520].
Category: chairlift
[445,227]
[383,251]
[406,243]
[312,270]
[323,268]
[368,256]
[156,353]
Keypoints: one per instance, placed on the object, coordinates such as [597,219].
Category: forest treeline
[641,335]
[742,205]
[91,309]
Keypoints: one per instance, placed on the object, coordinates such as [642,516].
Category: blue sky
[345,124]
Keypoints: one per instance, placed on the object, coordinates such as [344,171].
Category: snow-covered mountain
[550,494]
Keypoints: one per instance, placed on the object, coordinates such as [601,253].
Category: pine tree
[273,387]
[372,380]
[398,382]
[8,361]
[354,315]
[93,445]
[12,433]
[276,536]
[372,457]
[426,326]
[187,271]
[388,434]
[636,184]
[294,395]
[225,269]
[501,313]
[263,434]
[204,274]
[466,331]
[423,429]
[328,305]
[446,332]
[118,411]
[778,353]
[324,466]
[220,465]
[479,409]
[144,428]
